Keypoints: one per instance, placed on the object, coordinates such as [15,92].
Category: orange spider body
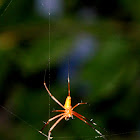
[68,102]
[68,108]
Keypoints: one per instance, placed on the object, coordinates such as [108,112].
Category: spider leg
[49,133]
[68,85]
[78,105]
[58,111]
[53,96]
[80,117]
[91,120]
[50,121]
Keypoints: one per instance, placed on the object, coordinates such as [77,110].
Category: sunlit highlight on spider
[66,113]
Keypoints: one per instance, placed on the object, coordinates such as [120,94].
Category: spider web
[49,104]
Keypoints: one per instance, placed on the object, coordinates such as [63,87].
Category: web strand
[49,4]
[19,118]
[6,8]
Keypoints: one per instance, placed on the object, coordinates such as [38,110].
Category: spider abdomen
[68,102]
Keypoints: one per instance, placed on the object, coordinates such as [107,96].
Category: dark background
[101,41]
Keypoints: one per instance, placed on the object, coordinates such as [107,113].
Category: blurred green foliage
[111,75]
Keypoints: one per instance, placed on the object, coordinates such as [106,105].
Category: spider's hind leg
[79,116]
[46,123]
[49,133]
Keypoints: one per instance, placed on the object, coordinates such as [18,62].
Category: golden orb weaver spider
[67,113]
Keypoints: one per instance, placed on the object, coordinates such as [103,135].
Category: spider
[67,113]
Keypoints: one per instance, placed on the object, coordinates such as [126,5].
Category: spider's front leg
[53,96]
